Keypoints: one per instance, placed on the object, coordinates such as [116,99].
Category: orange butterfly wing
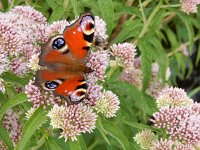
[63,57]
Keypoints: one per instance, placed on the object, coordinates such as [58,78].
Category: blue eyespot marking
[51,84]
[58,43]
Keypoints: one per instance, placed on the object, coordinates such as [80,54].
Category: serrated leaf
[4,136]
[131,28]
[172,38]
[57,14]
[20,98]
[194,91]
[74,145]
[117,134]
[14,79]
[74,4]
[79,144]
[51,144]
[189,27]
[135,97]
[157,20]
[146,61]
[137,125]
[101,129]
[107,11]
[82,142]
[160,56]
[31,125]
[129,10]
[52,4]
[198,55]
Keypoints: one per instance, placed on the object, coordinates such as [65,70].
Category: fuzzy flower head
[73,120]
[180,146]
[189,6]
[2,87]
[39,97]
[162,144]
[10,41]
[124,53]
[145,139]
[13,126]
[133,76]
[181,123]
[29,113]
[4,62]
[108,104]
[100,28]
[33,62]
[154,87]
[173,97]
[3,146]
[18,66]
[56,27]
[98,62]
[30,13]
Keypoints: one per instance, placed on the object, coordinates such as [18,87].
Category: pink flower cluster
[73,120]
[189,6]
[40,97]
[13,126]
[179,116]
[22,30]
[132,73]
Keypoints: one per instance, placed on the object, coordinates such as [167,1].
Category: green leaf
[5,4]
[32,124]
[137,125]
[189,27]
[14,79]
[131,28]
[156,22]
[79,144]
[5,137]
[117,134]
[107,11]
[129,10]
[20,98]
[75,145]
[52,4]
[57,14]
[160,56]
[51,144]
[3,98]
[146,50]
[172,38]
[194,91]
[101,129]
[82,142]
[74,4]
[198,55]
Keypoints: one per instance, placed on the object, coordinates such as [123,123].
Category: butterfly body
[63,60]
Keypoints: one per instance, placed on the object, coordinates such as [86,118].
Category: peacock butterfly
[63,60]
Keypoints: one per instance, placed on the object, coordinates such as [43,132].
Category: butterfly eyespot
[58,43]
[51,85]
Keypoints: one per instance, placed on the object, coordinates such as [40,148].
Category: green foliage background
[157,27]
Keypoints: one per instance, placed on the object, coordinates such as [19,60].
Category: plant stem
[148,22]
[142,11]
